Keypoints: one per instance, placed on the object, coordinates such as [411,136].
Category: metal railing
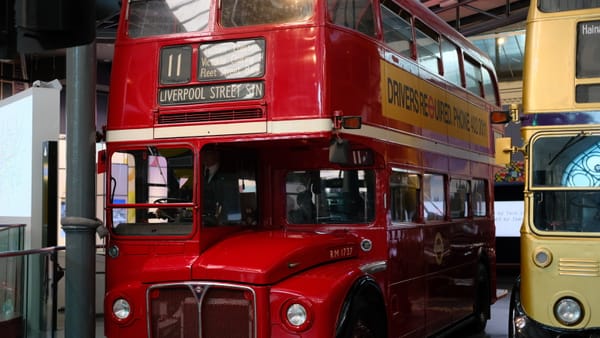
[32,292]
[11,237]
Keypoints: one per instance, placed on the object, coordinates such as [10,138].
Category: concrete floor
[497,326]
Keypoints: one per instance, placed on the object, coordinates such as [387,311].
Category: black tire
[363,322]
[481,311]
[511,308]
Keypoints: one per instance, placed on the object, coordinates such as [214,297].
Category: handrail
[54,273]
[49,249]
[4,227]
[17,253]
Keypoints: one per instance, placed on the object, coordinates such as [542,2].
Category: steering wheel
[171,214]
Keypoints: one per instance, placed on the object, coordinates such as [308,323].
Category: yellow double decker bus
[558,292]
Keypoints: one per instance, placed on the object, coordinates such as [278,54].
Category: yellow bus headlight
[568,311]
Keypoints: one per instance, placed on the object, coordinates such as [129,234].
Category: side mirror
[500,117]
[505,116]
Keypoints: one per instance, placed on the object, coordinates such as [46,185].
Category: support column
[80,223]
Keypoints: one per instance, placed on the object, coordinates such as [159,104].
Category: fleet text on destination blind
[211,93]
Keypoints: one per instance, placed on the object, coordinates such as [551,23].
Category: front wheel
[512,308]
[482,302]
[363,322]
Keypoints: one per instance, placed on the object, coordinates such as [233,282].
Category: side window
[428,47]
[355,14]
[451,62]
[433,197]
[405,189]
[473,76]
[459,198]
[397,31]
[488,87]
[330,196]
[479,198]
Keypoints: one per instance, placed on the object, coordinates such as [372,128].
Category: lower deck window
[330,196]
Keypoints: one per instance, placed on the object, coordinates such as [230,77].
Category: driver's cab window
[155,186]
[330,196]
[228,187]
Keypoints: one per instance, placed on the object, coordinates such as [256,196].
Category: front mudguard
[520,325]
[328,292]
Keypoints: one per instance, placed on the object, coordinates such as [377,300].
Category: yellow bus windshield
[570,166]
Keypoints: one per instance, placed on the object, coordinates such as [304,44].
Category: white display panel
[15,157]
[508,216]
[27,120]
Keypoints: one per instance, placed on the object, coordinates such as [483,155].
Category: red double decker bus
[297,168]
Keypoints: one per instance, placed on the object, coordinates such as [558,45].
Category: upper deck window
[473,77]
[355,14]
[428,47]
[451,62]
[397,31]
[566,5]
[237,13]
[588,49]
[488,86]
[158,17]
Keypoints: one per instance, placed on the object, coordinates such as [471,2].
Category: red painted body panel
[269,257]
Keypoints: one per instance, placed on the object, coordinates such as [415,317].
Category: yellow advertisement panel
[409,99]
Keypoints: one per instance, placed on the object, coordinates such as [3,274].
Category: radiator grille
[208,116]
[201,310]
[579,267]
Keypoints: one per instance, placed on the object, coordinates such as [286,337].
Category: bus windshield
[565,183]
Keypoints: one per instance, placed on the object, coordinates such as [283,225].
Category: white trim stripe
[271,127]
[144,134]
[303,126]
[295,126]
[419,143]
[211,130]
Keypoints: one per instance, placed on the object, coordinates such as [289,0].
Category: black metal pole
[80,224]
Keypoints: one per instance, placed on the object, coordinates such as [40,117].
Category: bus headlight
[297,315]
[568,311]
[121,309]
